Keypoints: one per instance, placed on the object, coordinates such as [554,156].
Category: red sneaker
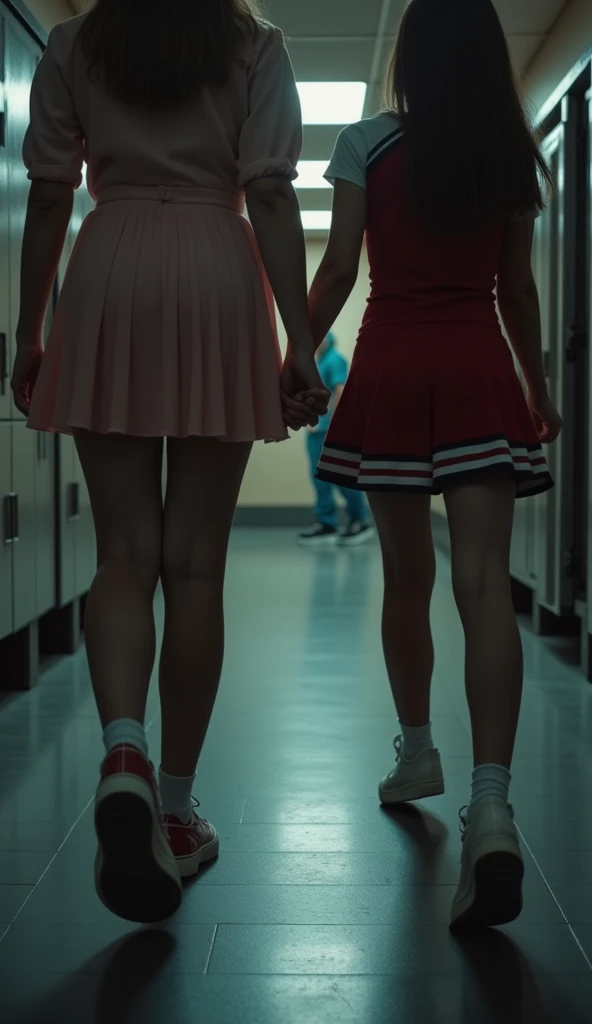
[136,875]
[192,844]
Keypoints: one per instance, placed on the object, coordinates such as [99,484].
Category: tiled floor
[322,908]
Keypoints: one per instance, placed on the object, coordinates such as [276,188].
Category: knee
[141,557]
[411,578]
[198,561]
[475,583]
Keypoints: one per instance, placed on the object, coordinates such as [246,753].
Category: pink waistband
[173,194]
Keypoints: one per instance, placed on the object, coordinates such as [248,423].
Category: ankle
[490,780]
[416,739]
[175,794]
[125,731]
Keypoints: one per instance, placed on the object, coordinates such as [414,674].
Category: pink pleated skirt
[165,325]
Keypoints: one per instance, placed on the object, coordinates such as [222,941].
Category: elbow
[340,273]
[51,195]
[513,293]
[271,193]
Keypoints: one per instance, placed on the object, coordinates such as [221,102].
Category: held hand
[301,411]
[304,396]
[546,418]
[26,368]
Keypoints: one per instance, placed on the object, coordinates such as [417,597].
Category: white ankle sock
[125,730]
[175,793]
[490,780]
[416,738]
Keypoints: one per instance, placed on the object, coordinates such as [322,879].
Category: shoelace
[195,804]
[398,745]
[463,815]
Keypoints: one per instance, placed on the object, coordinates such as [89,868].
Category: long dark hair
[473,155]
[158,58]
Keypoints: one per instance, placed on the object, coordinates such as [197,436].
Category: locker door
[24,549]
[5,531]
[519,553]
[67,520]
[86,549]
[555,270]
[45,523]
[5,353]
[21,62]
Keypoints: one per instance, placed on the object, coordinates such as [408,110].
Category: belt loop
[164,193]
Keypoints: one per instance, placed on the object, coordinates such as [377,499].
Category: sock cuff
[125,731]
[176,778]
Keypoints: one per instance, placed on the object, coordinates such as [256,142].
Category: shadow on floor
[109,994]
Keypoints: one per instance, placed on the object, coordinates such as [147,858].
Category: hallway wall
[278,473]
[49,12]
[569,40]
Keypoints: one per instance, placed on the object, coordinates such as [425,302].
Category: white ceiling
[341,40]
[349,40]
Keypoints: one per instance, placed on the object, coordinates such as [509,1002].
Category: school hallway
[322,908]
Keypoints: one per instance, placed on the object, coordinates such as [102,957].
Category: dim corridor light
[316,220]
[332,102]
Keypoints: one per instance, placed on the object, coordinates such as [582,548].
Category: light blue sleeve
[337,371]
[348,162]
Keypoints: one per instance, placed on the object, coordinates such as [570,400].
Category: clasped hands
[304,397]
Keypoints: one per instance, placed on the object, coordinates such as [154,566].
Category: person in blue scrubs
[333,370]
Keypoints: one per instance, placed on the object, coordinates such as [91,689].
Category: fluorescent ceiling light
[310,174]
[316,220]
[332,102]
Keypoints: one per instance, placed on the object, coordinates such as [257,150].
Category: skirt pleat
[165,326]
[427,406]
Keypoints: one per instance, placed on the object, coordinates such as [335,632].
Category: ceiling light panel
[332,102]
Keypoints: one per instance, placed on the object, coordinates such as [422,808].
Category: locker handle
[577,342]
[41,446]
[74,503]
[3,362]
[15,518]
[7,519]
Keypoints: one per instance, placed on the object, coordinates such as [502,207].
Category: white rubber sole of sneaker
[357,539]
[136,875]
[324,541]
[494,896]
[189,866]
[414,791]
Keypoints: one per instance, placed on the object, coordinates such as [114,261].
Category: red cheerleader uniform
[433,397]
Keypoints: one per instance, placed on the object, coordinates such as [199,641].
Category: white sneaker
[492,868]
[412,779]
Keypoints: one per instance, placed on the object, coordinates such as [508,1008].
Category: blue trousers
[325,509]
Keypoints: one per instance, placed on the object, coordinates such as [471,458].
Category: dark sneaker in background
[357,533]
[318,536]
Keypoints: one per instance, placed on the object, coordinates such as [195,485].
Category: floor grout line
[58,851]
[211,950]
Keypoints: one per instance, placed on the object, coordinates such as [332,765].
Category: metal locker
[24,548]
[589,411]
[67,514]
[45,539]
[6,532]
[21,57]
[555,272]
[86,549]
[5,346]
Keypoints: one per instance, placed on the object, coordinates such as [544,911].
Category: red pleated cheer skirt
[430,405]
